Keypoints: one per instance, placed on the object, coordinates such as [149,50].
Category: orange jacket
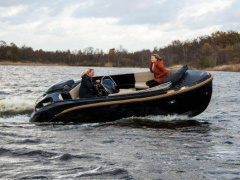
[159,71]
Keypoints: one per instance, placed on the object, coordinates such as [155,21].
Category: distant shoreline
[29,63]
[230,68]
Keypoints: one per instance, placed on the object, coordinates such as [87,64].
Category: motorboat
[183,92]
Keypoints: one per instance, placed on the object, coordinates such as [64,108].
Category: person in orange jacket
[156,66]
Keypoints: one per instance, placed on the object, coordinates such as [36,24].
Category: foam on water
[24,118]
[160,118]
[63,127]
[15,105]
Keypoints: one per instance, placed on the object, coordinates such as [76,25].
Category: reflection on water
[153,147]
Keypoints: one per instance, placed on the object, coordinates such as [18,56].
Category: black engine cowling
[60,86]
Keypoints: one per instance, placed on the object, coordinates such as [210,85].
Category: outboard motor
[57,92]
[61,86]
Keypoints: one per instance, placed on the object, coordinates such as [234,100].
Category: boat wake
[155,122]
[22,118]
[161,118]
[162,122]
[15,106]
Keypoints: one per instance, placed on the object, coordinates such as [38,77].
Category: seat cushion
[141,78]
[75,92]
[173,70]
[124,92]
[141,85]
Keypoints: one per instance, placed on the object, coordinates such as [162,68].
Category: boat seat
[74,93]
[173,70]
[60,97]
[141,85]
[134,91]
[141,78]
[124,91]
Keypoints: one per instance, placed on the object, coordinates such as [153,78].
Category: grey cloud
[131,12]
[32,11]
[150,12]
[228,18]
[30,14]
[7,3]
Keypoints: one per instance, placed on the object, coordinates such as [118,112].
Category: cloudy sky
[134,24]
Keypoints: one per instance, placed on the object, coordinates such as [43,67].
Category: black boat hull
[190,102]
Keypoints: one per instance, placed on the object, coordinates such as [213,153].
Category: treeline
[206,51]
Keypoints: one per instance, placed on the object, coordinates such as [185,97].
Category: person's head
[90,72]
[155,58]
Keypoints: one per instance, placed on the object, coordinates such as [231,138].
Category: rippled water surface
[153,147]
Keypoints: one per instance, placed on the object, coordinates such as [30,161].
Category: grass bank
[18,63]
[231,67]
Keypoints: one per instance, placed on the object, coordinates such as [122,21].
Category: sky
[134,24]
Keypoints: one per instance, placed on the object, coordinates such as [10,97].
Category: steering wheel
[101,89]
[103,84]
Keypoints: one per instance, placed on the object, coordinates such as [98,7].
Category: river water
[154,147]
